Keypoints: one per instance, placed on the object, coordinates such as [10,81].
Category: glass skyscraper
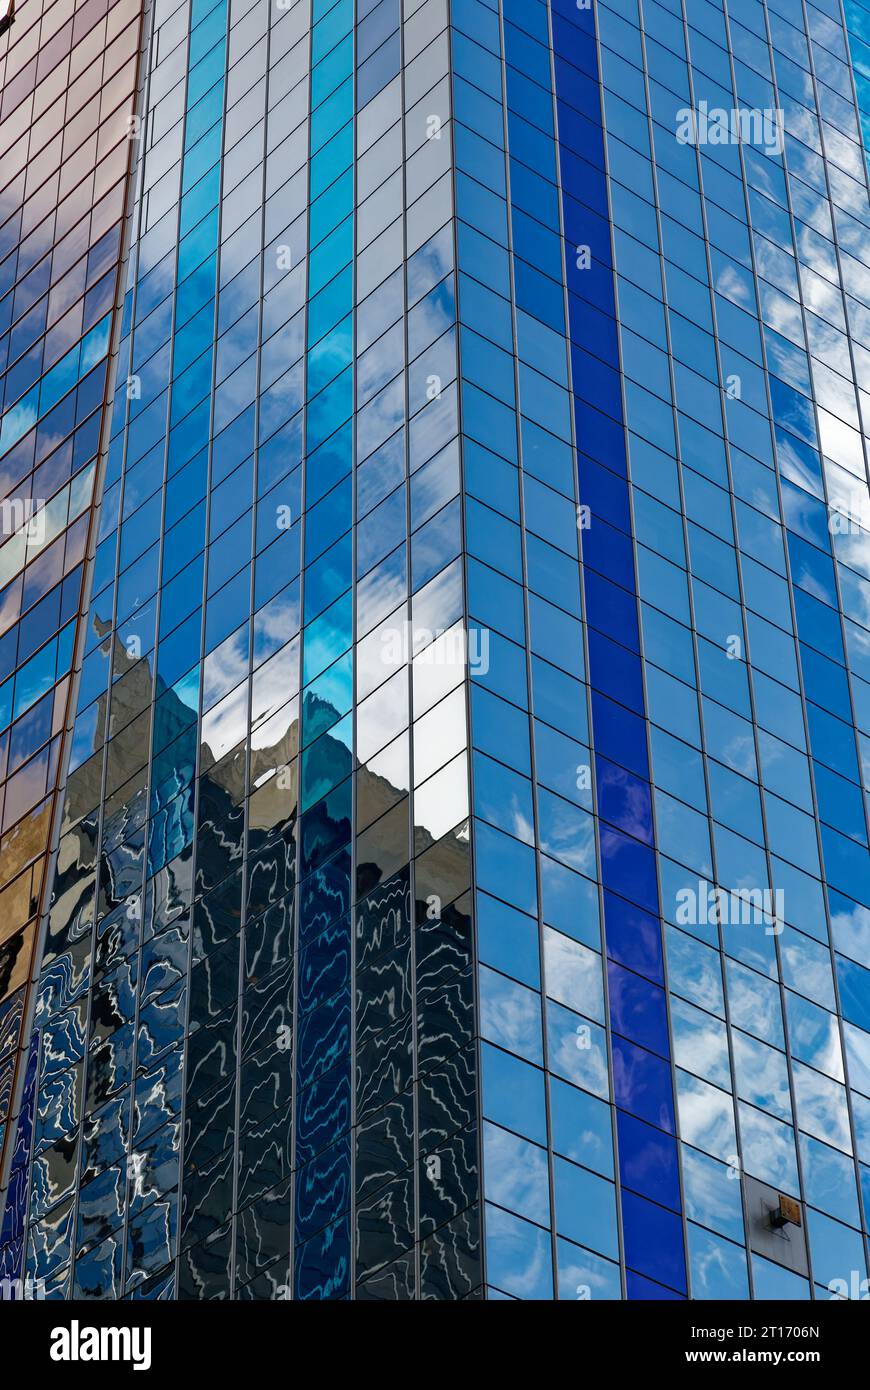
[435,635]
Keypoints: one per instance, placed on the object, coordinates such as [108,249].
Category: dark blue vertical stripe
[643,1087]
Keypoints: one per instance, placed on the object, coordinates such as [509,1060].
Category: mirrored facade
[67,102]
[459,881]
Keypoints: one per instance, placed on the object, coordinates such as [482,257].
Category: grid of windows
[68,78]
[740,291]
[255,1008]
[463,885]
